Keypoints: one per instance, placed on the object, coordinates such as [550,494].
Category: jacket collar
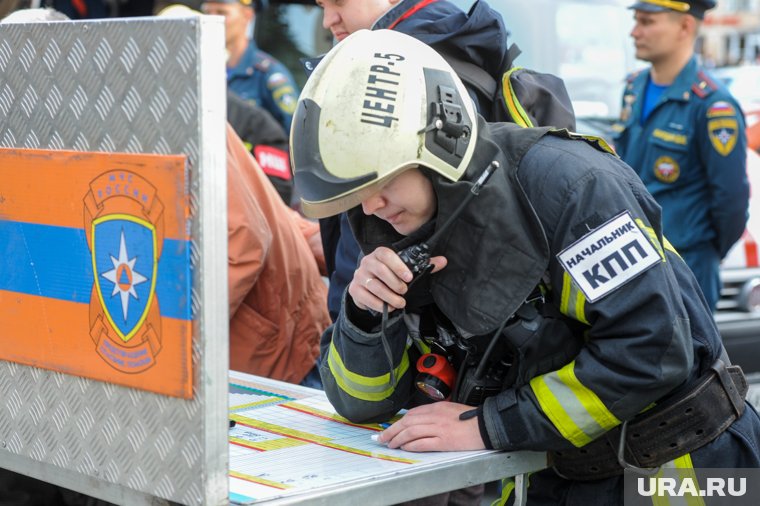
[247,61]
[679,90]
[399,12]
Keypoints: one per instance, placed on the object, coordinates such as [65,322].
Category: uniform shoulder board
[597,142]
[704,86]
[632,76]
[263,62]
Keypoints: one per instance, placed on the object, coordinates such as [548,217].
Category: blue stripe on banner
[55,262]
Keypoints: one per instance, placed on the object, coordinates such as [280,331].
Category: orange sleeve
[249,233]
[310,231]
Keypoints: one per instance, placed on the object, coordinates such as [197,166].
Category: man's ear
[689,25]
[248,13]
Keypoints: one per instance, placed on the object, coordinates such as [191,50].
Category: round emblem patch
[666,169]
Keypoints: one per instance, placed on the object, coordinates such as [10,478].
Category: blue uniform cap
[696,8]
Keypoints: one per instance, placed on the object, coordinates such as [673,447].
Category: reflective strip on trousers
[685,471]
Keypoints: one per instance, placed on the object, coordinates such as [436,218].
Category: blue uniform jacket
[691,155]
[266,82]
[478,37]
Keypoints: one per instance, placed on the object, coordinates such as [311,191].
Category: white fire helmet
[380,102]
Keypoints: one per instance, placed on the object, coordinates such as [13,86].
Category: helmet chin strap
[474,192]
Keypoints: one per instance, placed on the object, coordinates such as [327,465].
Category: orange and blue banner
[95,273]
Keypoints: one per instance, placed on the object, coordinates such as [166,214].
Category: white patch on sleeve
[608,257]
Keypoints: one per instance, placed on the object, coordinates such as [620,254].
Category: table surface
[289,446]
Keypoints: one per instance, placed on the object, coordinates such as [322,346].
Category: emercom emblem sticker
[608,257]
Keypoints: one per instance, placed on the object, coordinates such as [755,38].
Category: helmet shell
[380,102]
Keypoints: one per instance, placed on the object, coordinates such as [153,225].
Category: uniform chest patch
[666,169]
[608,257]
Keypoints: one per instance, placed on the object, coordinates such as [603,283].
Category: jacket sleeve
[637,343]
[249,234]
[722,141]
[281,94]
[355,366]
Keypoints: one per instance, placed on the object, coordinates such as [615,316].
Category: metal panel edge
[210,308]
[214,316]
[66,478]
[404,486]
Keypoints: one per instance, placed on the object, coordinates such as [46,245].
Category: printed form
[288,440]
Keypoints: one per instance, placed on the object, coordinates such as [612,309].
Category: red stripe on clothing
[411,11]
[750,250]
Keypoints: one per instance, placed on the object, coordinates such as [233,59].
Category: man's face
[656,35]
[236,18]
[407,202]
[344,17]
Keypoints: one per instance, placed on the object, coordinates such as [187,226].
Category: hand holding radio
[383,277]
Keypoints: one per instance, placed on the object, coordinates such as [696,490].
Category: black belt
[678,426]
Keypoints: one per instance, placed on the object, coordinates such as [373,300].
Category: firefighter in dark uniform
[519,276]
[252,74]
[683,133]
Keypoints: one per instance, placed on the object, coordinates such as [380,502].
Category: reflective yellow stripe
[576,411]
[670,247]
[594,140]
[361,387]
[670,4]
[507,487]
[572,302]
[422,346]
[602,144]
[510,99]
[685,469]
[652,237]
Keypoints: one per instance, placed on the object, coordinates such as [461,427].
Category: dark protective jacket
[691,154]
[580,220]
[265,139]
[478,37]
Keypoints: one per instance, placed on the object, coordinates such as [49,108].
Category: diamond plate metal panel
[118,86]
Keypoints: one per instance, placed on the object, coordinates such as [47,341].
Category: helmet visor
[323,193]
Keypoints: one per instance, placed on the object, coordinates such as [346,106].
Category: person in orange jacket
[278,300]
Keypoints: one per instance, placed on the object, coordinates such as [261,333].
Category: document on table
[288,440]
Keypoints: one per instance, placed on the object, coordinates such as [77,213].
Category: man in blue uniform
[516,291]
[684,134]
[252,74]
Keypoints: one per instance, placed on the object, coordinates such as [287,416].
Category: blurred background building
[731,33]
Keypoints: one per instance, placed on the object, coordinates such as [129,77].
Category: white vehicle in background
[738,315]
[587,44]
